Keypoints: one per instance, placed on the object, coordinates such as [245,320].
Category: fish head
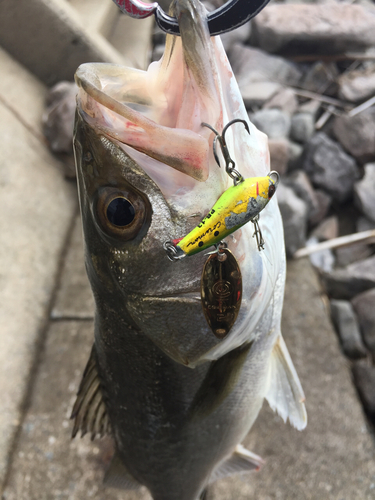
[147,174]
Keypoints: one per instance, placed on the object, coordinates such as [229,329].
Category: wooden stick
[322,98]
[342,241]
[367,104]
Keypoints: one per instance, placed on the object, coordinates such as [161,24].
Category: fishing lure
[238,205]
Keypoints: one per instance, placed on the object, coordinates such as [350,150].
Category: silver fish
[177,400]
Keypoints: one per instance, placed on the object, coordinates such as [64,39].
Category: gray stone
[324,260]
[311,106]
[255,94]
[58,118]
[314,29]
[327,229]
[352,253]
[295,156]
[364,378]
[347,283]
[302,127]
[157,52]
[301,185]
[254,65]
[330,168]
[364,306]
[279,154]
[357,134]
[347,328]
[294,213]
[357,85]
[239,35]
[74,299]
[364,192]
[321,78]
[364,224]
[272,122]
[50,40]
[323,205]
[285,100]
[37,210]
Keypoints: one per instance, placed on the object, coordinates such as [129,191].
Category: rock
[330,168]
[302,127]
[324,260]
[364,306]
[58,118]
[357,134]
[364,190]
[239,35]
[272,122]
[312,106]
[321,78]
[364,378]
[357,85]
[319,29]
[327,229]
[257,93]
[158,51]
[279,154]
[352,253]
[347,327]
[295,155]
[323,205]
[347,283]
[294,214]
[364,224]
[285,100]
[254,65]
[301,185]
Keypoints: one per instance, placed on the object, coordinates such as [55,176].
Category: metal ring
[173,253]
[226,18]
[276,174]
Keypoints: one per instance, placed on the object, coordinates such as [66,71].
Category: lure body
[236,206]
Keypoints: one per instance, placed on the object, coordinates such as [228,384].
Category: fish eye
[271,190]
[121,213]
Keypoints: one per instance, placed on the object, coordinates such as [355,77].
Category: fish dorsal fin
[117,476]
[284,391]
[241,460]
[89,410]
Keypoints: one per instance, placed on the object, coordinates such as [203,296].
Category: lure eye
[271,190]
[121,213]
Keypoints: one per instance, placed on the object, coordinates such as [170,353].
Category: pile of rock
[305,88]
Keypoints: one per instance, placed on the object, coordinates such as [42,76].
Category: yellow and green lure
[238,205]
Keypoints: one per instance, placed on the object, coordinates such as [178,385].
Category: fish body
[177,400]
[238,205]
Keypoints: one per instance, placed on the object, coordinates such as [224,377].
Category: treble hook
[229,163]
[226,18]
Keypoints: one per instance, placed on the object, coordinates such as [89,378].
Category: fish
[177,400]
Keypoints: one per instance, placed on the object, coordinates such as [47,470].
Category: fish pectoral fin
[89,410]
[284,391]
[241,460]
[117,476]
